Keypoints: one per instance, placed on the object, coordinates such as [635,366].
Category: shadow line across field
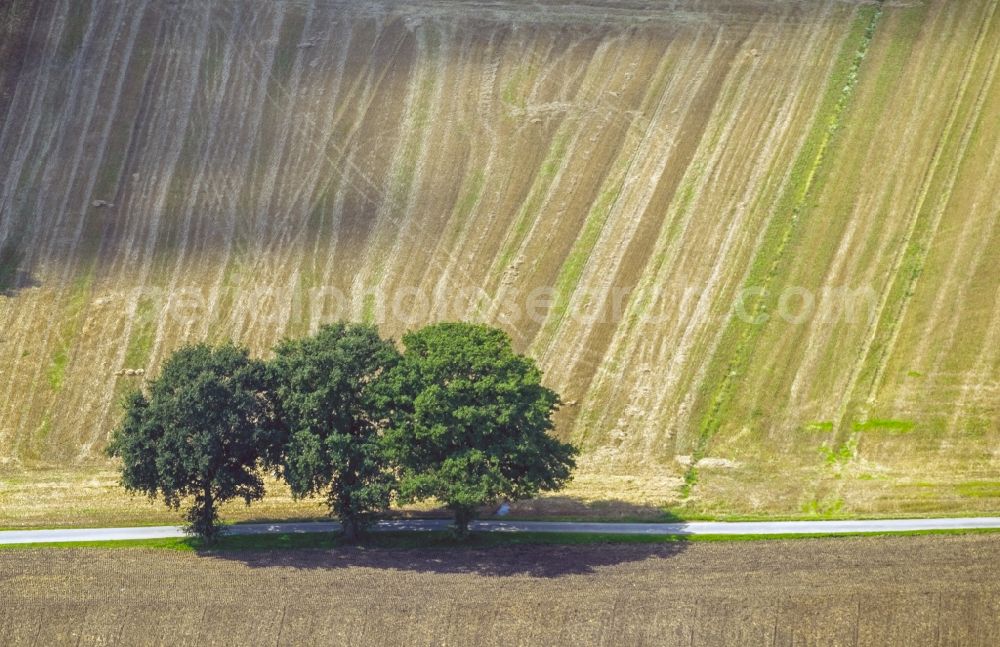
[539,555]
[520,560]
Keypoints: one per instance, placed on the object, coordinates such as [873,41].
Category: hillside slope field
[752,243]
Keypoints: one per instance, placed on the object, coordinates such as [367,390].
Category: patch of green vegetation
[914,374]
[934,194]
[407,167]
[539,189]
[33,447]
[425,96]
[79,295]
[511,93]
[572,268]
[686,192]
[843,535]
[979,489]
[405,170]
[783,227]
[140,343]
[43,433]
[892,426]
[690,480]
[824,425]
[472,191]
[302,304]
[179,544]
[977,426]
[471,197]
[368,309]
[839,454]
[57,367]
[823,508]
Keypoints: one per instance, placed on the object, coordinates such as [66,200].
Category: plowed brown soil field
[887,591]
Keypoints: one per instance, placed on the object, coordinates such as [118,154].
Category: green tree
[332,443]
[199,432]
[471,421]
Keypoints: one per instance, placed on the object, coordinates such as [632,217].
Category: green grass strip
[784,225]
[444,539]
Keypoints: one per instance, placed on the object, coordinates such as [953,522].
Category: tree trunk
[202,516]
[208,516]
[350,527]
[463,515]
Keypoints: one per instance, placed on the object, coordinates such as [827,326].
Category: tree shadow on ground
[490,554]
[12,277]
[539,560]
[20,281]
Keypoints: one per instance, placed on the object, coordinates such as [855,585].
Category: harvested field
[753,244]
[900,591]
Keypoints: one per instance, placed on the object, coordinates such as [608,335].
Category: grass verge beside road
[435,539]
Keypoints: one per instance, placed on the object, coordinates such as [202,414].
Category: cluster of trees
[458,416]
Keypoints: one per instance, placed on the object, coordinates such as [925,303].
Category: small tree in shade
[199,432]
[471,421]
[332,445]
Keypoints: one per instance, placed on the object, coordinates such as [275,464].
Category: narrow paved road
[775,528]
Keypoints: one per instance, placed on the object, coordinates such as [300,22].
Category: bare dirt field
[879,591]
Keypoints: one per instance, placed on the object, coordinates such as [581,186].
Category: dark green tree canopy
[325,388]
[471,421]
[198,432]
